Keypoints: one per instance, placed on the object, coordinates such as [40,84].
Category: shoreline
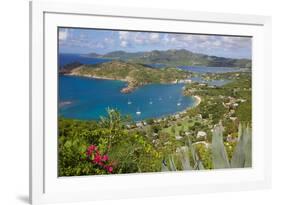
[197,102]
[128,89]
[95,77]
[197,99]
[131,87]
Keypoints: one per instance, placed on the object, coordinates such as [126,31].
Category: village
[215,104]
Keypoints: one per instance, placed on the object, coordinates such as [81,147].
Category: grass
[185,124]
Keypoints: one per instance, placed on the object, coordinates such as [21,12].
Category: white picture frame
[46,187]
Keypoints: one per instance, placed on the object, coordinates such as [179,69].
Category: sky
[83,41]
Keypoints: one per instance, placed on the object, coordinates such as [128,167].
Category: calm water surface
[86,98]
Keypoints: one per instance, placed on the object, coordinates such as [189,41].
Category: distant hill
[69,67]
[94,55]
[175,58]
[135,74]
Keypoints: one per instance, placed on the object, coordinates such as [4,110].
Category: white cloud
[208,44]
[63,34]
[67,37]
[217,43]
[123,35]
[201,43]
[154,37]
[236,42]
[123,43]
[138,38]
[109,41]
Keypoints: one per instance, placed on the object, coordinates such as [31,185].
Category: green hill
[176,58]
[133,73]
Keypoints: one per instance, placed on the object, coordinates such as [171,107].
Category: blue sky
[75,40]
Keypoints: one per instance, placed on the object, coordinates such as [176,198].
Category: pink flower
[92,147]
[90,150]
[104,158]
[89,153]
[110,169]
[97,159]
[100,163]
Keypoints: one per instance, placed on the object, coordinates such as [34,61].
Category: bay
[87,99]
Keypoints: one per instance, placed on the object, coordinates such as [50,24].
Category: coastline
[131,84]
[178,115]
[197,100]
[128,89]
[95,77]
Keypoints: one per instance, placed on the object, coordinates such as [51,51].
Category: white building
[139,124]
[178,137]
[201,134]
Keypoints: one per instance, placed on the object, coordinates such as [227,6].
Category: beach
[198,100]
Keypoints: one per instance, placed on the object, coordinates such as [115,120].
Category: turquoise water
[86,99]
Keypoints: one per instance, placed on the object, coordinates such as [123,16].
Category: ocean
[88,99]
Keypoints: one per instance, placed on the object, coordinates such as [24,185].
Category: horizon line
[155,50]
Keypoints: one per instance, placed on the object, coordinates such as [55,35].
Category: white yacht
[138,112]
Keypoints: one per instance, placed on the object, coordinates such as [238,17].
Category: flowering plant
[99,160]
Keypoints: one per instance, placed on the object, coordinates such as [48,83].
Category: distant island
[174,57]
[133,73]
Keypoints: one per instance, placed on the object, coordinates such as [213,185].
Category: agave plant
[242,155]
[219,154]
[183,155]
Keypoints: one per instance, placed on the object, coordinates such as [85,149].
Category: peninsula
[134,74]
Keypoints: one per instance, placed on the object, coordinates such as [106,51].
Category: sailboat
[129,102]
[150,102]
[138,112]
[179,102]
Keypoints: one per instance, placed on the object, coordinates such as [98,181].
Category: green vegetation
[129,152]
[135,74]
[215,134]
[230,103]
[216,157]
[175,58]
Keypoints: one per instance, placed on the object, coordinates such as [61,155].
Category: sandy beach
[198,100]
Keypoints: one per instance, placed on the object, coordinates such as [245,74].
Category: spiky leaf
[219,154]
[172,164]
[243,150]
[164,168]
[184,158]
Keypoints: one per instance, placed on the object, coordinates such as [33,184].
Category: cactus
[219,155]
[184,157]
[242,155]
